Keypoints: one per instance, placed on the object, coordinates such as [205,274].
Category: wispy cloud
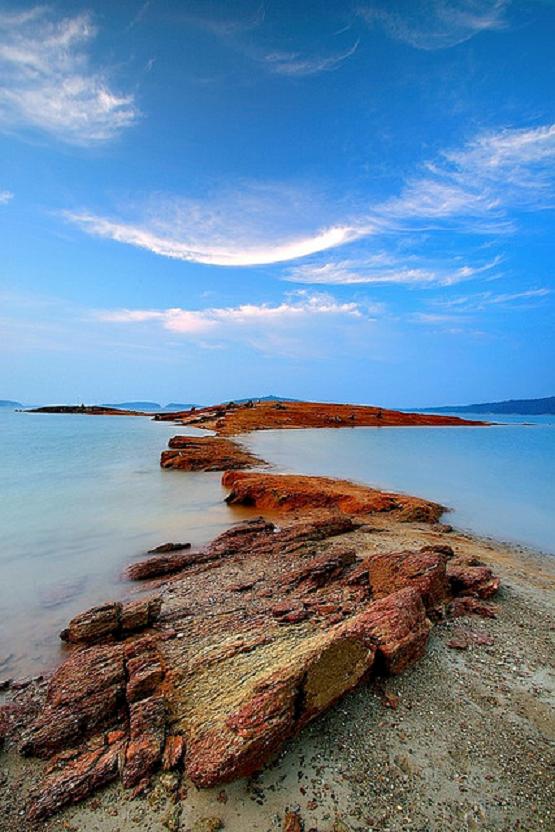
[299,64]
[481,300]
[5,197]
[437,24]
[48,82]
[299,320]
[472,188]
[214,254]
[353,273]
[217,319]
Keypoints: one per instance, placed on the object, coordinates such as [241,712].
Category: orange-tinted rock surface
[229,419]
[264,630]
[289,493]
[207,453]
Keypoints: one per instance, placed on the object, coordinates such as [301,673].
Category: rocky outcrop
[290,493]
[232,419]
[207,453]
[112,620]
[257,634]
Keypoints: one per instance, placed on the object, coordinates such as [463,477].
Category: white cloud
[437,24]
[353,273]
[47,81]
[472,188]
[298,64]
[214,254]
[223,321]
[5,197]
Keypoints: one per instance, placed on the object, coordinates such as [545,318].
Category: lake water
[499,481]
[82,496]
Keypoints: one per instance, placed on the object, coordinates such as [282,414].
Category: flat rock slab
[207,453]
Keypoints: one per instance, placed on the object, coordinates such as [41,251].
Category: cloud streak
[48,83]
[471,188]
[356,273]
[5,197]
[437,24]
[297,64]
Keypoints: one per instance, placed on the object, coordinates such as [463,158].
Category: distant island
[519,407]
[8,403]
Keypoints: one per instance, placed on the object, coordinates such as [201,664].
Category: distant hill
[179,406]
[134,406]
[8,403]
[265,399]
[519,407]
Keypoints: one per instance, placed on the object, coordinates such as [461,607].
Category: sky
[340,201]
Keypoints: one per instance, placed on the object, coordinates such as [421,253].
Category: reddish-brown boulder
[424,570]
[472,580]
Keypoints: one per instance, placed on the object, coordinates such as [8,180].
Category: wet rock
[112,620]
[285,493]
[160,565]
[207,453]
[164,548]
[94,624]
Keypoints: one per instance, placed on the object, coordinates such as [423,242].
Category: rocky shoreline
[244,643]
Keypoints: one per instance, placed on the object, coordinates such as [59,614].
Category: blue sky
[203,200]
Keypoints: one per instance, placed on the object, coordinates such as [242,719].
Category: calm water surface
[498,481]
[80,497]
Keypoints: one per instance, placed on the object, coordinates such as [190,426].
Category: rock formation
[207,453]
[255,636]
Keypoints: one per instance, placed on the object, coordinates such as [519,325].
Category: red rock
[319,570]
[144,673]
[287,492]
[207,453]
[397,624]
[163,565]
[468,605]
[83,694]
[174,750]
[94,624]
[79,778]
[472,580]
[135,615]
[147,721]
[424,570]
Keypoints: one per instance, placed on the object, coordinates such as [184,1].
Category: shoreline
[518,564]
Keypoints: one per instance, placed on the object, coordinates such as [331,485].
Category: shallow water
[80,497]
[498,481]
